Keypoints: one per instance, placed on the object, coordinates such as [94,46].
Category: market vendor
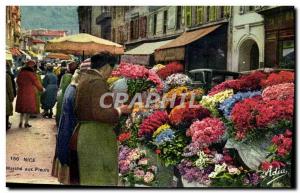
[94,135]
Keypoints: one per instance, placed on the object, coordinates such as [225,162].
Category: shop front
[202,48]
[279,36]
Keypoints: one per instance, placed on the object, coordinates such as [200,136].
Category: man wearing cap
[26,94]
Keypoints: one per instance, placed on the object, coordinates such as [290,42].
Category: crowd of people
[86,151]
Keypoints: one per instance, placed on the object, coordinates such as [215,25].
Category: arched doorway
[248,55]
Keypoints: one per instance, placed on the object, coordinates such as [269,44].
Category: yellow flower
[211,102]
[161,129]
[112,79]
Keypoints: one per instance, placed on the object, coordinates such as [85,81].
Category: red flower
[254,113]
[152,122]
[278,78]
[170,69]
[247,82]
[283,143]
[157,151]
[124,136]
[271,165]
[186,113]
[266,165]
[207,131]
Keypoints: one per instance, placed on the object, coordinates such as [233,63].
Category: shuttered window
[188,16]
[199,14]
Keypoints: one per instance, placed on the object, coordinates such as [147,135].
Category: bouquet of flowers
[279,92]
[177,79]
[211,102]
[206,131]
[227,105]
[183,113]
[278,78]
[244,83]
[254,113]
[134,167]
[152,123]
[138,78]
[170,69]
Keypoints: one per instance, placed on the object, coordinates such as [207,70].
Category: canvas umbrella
[83,44]
[60,56]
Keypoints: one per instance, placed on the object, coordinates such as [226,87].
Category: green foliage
[224,179]
[137,86]
[171,151]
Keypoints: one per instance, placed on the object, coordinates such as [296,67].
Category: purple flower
[252,179]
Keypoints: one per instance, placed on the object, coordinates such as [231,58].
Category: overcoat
[26,94]
[96,140]
[65,81]
[9,95]
[48,98]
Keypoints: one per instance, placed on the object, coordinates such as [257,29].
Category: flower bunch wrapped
[130,71]
[138,78]
[283,143]
[157,67]
[183,113]
[278,78]
[175,95]
[177,79]
[254,113]
[244,83]
[207,131]
[134,166]
[152,123]
[279,92]
[170,69]
[212,102]
[227,105]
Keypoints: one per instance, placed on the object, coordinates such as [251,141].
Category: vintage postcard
[151,96]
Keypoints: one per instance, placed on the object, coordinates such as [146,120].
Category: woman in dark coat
[48,98]
[66,127]
[26,95]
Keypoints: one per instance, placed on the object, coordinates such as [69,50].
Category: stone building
[13,26]
[279,36]
[103,20]
[87,16]
[248,38]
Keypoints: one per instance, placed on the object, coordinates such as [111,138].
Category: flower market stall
[239,134]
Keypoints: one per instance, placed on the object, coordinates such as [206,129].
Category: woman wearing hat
[94,137]
[48,98]
[65,81]
[26,95]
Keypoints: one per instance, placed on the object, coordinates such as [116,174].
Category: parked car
[207,78]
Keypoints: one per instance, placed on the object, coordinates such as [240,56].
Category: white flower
[218,169]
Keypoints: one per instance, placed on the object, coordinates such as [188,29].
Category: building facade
[104,21]
[279,32]
[13,26]
[87,16]
[247,38]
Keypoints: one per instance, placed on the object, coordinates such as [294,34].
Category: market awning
[141,54]
[175,49]
[146,48]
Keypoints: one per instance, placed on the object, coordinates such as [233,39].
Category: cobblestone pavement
[30,151]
